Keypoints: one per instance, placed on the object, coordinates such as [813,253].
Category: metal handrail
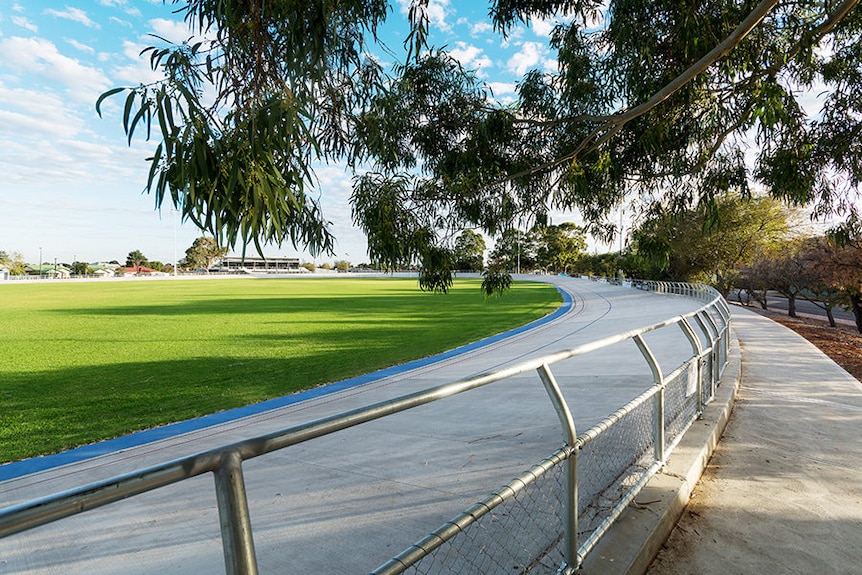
[226,462]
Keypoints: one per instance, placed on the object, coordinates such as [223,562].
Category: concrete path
[783,492]
[348,502]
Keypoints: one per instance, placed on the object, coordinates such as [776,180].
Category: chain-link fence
[522,527]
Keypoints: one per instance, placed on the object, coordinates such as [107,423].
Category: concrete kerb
[637,536]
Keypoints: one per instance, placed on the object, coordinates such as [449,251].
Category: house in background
[102,271]
[53,271]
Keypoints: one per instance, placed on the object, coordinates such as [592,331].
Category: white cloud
[138,71]
[73,14]
[471,58]
[24,23]
[543,28]
[531,55]
[80,46]
[124,23]
[16,123]
[175,31]
[513,37]
[502,88]
[26,112]
[504,92]
[436,12]
[480,28]
[36,56]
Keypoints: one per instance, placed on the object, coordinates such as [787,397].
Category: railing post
[236,536]
[707,329]
[570,436]
[716,352]
[658,422]
[696,348]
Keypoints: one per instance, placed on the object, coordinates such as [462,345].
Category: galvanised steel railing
[587,501]
[590,481]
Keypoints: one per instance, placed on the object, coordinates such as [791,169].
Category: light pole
[518,244]
[175,243]
[40,261]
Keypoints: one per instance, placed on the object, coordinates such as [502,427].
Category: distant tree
[841,268]
[598,264]
[560,246]
[820,291]
[14,263]
[783,270]
[203,252]
[342,265]
[136,259]
[469,251]
[753,279]
[309,266]
[81,268]
[792,273]
[156,265]
[514,249]
[711,243]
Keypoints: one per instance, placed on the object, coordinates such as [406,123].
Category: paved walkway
[348,502]
[783,492]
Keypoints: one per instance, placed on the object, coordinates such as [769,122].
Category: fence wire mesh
[524,534]
[680,402]
[612,462]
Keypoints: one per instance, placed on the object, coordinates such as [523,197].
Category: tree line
[755,246]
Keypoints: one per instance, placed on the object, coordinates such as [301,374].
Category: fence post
[716,351]
[239,556]
[658,422]
[698,350]
[570,436]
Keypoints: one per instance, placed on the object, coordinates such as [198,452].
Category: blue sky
[72,186]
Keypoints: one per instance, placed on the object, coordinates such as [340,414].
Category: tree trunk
[856,306]
[791,306]
[830,316]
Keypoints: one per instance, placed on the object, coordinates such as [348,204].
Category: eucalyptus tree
[203,252]
[469,251]
[561,246]
[653,102]
[710,245]
[135,259]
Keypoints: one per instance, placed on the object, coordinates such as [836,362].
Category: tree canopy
[469,251]
[135,259]
[13,262]
[710,246]
[203,252]
[653,103]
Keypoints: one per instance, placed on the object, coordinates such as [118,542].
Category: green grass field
[81,362]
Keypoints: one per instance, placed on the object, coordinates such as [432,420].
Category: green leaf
[104,96]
